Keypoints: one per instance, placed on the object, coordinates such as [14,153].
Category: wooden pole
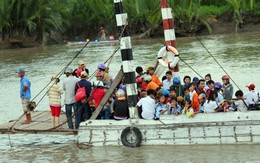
[127,58]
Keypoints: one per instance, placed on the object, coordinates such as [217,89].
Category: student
[210,86]
[168,81]
[227,88]
[217,87]
[188,110]
[226,106]
[177,86]
[186,80]
[172,93]
[211,105]
[194,97]
[241,104]
[175,108]
[148,105]
[162,107]
[251,95]
[202,99]
[54,92]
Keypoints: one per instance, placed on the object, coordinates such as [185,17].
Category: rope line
[217,61]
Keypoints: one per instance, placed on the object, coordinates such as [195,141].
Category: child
[211,105]
[188,110]
[162,107]
[172,93]
[175,107]
[226,106]
[241,104]
[227,88]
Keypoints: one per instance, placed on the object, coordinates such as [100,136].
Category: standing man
[25,94]
[83,106]
[69,101]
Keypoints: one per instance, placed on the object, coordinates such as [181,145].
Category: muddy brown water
[238,54]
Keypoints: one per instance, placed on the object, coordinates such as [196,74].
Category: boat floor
[41,123]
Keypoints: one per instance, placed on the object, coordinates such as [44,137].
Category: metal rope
[216,61]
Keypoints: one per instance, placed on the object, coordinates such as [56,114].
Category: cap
[180,99]
[251,86]
[69,70]
[20,70]
[101,66]
[83,74]
[176,80]
[80,62]
[165,92]
[195,79]
[99,74]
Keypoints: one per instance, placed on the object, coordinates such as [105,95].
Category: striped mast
[127,58]
[168,26]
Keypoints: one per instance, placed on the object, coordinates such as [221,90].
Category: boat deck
[41,123]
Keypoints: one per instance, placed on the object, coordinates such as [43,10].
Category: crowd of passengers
[169,97]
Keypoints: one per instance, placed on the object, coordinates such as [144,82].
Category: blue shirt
[25,82]
[178,109]
[159,108]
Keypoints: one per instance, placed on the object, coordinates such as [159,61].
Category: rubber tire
[138,136]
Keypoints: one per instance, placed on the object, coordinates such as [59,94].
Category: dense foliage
[40,18]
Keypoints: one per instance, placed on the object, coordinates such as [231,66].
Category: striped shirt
[54,93]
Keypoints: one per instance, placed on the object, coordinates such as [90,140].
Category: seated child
[188,110]
[162,107]
[175,107]
[226,106]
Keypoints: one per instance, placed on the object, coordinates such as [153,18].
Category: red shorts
[55,111]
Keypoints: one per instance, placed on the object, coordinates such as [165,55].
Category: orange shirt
[156,80]
[151,85]
[195,102]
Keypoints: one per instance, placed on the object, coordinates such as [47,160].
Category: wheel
[131,137]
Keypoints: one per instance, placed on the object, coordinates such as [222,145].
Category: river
[238,54]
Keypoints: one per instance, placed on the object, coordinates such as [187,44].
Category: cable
[216,61]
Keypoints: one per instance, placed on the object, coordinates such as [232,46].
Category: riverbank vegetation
[41,21]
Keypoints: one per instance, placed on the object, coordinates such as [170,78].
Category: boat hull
[211,128]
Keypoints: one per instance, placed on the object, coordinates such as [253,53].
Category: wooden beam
[111,89]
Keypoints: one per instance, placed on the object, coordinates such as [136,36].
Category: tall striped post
[168,26]
[127,58]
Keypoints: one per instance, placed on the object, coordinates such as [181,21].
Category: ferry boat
[209,128]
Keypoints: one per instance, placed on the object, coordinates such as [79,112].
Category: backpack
[80,94]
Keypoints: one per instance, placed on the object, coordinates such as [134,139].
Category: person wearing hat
[150,84]
[69,85]
[25,94]
[156,80]
[83,107]
[252,95]
[227,88]
[120,106]
[98,93]
[102,68]
[54,92]
[81,67]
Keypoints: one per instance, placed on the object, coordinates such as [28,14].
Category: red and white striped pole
[168,26]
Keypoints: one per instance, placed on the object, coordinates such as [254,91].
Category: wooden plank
[103,102]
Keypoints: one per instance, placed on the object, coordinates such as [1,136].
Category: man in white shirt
[148,105]
[168,81]
[252,95]
[69,87]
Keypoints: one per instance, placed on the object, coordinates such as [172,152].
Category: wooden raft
[41,123]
